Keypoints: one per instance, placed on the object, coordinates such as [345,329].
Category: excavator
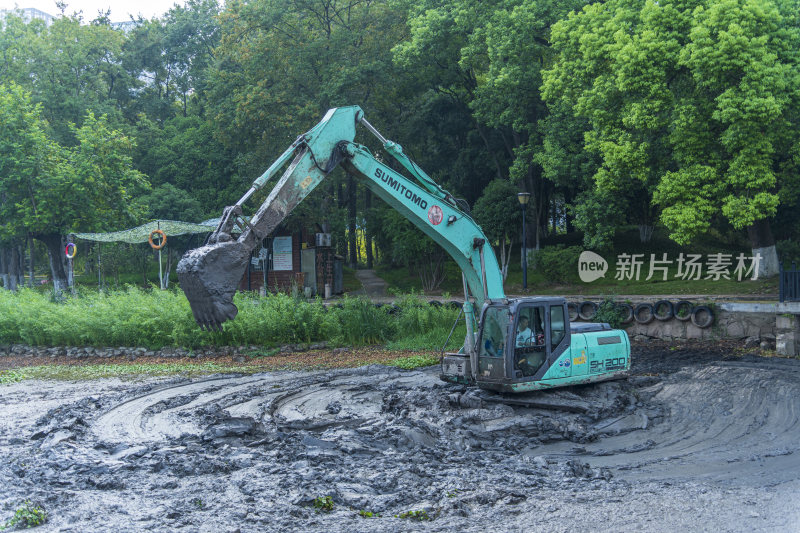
[512,344]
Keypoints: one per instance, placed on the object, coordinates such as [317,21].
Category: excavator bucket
[209,276]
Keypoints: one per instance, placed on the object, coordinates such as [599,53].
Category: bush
[28,515]
[558,263]
[359,321]
[155,319]
[609,312]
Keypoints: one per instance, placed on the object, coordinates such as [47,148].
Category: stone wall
[727,325]
[754,323]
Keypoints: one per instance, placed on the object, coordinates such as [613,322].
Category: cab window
[529,340]
[495,329]
[557,326]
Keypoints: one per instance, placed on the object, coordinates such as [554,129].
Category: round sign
[435,215]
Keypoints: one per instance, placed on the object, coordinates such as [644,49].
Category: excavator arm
[209,275]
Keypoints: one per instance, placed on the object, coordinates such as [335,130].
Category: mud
[694,439]
[209,276]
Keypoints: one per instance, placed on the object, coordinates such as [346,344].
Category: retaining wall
[727,325]
[764,324]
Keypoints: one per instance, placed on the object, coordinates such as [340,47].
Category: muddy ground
[697,439]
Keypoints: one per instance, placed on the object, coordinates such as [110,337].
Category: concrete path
[371,285]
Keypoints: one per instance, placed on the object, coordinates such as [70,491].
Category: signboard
[282,253]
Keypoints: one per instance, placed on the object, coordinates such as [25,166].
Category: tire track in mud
[722,420]
[728,420]
[132,421]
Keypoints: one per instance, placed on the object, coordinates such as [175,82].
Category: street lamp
[523,198]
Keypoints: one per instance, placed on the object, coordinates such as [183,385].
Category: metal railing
[789,284]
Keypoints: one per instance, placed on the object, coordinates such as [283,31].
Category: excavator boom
[210,275]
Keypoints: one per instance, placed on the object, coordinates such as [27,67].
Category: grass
[12,375]
[97,371]
[155,319]
[82,370]
[418,516]
[415,361]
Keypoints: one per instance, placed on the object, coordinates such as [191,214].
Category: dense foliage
[679,113]
[155,319]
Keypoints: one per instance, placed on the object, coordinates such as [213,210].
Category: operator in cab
[529,344]
[524,333]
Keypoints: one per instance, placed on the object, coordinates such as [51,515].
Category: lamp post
[523,198]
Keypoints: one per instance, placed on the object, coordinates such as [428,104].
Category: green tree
[691,108]
[25,155]
[414,249]
[73,68]
[280,66]
[490,55]
[498,213]
[48,190]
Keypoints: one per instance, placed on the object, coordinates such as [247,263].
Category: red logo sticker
[435,215]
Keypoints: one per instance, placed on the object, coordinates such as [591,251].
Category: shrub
[359,321]
[155,319]
[323,503]
[558,263]
[26,516]
[608,311]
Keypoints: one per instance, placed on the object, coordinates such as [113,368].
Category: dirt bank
[699,438]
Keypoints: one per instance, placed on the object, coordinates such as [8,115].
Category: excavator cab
[527,344]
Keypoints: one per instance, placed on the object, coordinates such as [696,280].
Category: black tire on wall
[683,310]
[699,322]
[572,309]
[663,310]
[628,310]
[587,310]
[647,316]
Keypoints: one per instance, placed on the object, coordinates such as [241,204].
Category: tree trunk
[645,233]
[13,269]
[567,215]
[55,255]
[367,232]
[763,244]
[31,261]
[351,220]
[4,267]
[21,271]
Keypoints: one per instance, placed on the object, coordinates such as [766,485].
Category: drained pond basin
[697,439]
